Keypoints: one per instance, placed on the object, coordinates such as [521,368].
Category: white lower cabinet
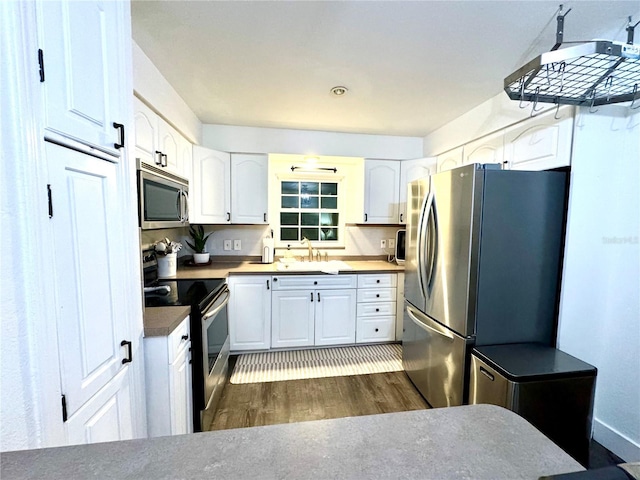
[376,311]
[168,382]
[250,312]
[312,310]
[400,307]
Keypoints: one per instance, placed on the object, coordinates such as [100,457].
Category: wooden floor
[256,404]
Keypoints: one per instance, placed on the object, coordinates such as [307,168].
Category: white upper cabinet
[83,71]
[449,160]
[411,170]
[158,143]
[489,149]
[540,143]
[209,190]
[381,191]
[249,195]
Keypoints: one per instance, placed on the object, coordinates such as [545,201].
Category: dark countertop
[470,442]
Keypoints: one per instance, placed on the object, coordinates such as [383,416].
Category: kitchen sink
[331,266]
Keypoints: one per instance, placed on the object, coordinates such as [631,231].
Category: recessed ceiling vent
[590,73]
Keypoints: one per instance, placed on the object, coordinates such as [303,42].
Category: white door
[81,44]
[185,153]
[106,417]
[249,180]
[91,315]
[489,149]
[250,312]
[168,139]
[210,189]
[381,191]
[411,170]
[335,317]
[180,391]
[449,160]
[146,133]
[540,143]
[292,318]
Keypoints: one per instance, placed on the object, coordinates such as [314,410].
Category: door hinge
[41,63]
[50,200]
[64,408]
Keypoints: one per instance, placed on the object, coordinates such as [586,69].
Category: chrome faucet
[310,247]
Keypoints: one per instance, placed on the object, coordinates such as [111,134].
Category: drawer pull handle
[376,329]
[487,374]
[129,357]
[377,309]
[185,337]
[378,281]
[377,295]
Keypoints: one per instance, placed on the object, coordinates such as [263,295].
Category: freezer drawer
[538,383]
[435,359]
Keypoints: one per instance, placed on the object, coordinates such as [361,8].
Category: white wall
[600,305]
[153,88]
[309,142]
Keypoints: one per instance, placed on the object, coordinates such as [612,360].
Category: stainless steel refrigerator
[483,256]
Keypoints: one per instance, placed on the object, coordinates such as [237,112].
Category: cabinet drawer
[376,295]
[376,309]
[315,282]
[179,339]
[376,329]
[377,280]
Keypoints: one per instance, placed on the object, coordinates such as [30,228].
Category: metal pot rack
[590,73]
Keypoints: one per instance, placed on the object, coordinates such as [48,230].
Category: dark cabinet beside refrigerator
[551,389]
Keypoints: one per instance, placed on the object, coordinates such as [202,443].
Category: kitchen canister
[268,247]
[167,265]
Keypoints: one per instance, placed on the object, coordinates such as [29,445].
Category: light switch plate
[226,245]
[391,242]
[237,245]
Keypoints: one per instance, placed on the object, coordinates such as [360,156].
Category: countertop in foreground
[470,442]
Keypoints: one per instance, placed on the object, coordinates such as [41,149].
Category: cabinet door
[180,391]
[106,417]
[489,149]
[292,318]
[146,133]
[92,318]
[168,140]
[540,143]
[185,154]
[411,170]
[249,181]
[250,312]
[381,191]
[335,321]
[82,45]
[449,160]
[209,191]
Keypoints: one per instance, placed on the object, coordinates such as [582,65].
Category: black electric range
[182,292]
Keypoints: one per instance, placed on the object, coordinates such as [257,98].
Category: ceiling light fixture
[339,91]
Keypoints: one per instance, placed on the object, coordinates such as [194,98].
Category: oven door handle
[218,308]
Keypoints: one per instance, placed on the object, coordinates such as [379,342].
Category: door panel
[91,314]
[434,358]
[292,318]
[448,288]
[335,317]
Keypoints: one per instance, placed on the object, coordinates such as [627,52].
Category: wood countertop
[470,442]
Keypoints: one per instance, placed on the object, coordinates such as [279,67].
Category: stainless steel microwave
[163,198]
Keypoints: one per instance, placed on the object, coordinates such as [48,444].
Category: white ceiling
[409,66]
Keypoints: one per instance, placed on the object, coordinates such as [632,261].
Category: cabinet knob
[275,279]
[377,309]
[377,295]
[185,337]
[315,283]
[378,281]
[376,329]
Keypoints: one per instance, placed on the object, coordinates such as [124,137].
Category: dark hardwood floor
[255,404]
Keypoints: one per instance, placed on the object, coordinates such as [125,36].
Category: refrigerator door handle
[420,244]
[432,225]
[424,240]
[442,331]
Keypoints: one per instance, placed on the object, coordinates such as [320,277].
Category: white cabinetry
[168,383]
[210,191]
[381,191]
[449,160]
[489,149]
[84,71]
[250,312]
[400,307]
[540,143]
[313,310]
[158,143]
[411,170]
[376,312]
[249,196]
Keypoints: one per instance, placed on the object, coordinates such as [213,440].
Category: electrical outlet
[237,245]
[226,245]
[391,242]
[383,244]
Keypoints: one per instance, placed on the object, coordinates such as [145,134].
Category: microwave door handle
[186,206]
